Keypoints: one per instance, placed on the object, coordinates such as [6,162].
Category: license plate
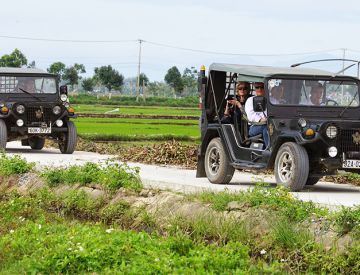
[351,163]
[39,130]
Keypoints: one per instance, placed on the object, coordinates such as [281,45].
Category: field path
[182,180]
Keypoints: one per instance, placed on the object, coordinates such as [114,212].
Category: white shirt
[251,114]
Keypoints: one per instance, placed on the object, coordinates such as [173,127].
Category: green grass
[112,176]
[14,165]
[191,101]
[136,129]
[136,110]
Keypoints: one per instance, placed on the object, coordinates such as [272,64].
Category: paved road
[182,180]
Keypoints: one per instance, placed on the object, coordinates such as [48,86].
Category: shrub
[14,165]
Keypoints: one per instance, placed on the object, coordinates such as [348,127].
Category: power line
[65,40]
[235,54]
[164,45]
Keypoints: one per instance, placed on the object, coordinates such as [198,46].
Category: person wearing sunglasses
[236,106]
[257,120]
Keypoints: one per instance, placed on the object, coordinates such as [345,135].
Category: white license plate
[39,130]
[351,163]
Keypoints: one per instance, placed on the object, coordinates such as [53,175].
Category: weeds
[112,176]
[14,165]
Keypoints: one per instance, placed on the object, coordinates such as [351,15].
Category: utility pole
[139,70]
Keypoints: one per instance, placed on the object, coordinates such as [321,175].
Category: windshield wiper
[34,96]
[347,107]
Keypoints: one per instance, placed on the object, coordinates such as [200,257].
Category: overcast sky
[248,27]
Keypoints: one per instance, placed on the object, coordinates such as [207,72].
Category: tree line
[106,76]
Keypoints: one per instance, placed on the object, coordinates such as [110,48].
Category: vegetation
[109,77]
[135,129]
[191,101]
[14,165]
[112,176]
[57,68]
[15,59]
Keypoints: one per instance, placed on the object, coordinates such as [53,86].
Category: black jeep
[33,108]
[313,124]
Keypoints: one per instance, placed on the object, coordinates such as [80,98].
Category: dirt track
[182,180]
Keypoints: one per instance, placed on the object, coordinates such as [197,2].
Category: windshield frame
[313,78]
[36,75]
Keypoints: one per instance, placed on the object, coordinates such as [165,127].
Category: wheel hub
[214,160]
[285,167]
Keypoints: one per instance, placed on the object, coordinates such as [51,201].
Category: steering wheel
[333,101]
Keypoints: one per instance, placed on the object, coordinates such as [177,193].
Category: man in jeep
[257,119]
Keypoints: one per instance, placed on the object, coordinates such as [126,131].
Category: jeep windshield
[30,84]
[320,93]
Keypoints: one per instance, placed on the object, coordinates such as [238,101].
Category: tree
[57,68]
[88,84]
[15,59]
[109,77]
[144,79]
[71,74]
[174,79]
[189,79]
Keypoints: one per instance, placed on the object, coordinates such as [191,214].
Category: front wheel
[312,180]
[292,166]
[36,143]
[67,141]
[3,134]
[217,166]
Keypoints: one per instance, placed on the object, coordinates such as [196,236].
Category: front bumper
[24,130]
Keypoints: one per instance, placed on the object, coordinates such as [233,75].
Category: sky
[246,28]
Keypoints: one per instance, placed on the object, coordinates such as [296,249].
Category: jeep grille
[37,114]
[346,141]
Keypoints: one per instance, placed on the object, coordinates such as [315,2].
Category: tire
[3,135]
[217,167]
[36,143]
[292,166]
[312,180]
[67,142]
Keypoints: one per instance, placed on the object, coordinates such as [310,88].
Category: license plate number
[351,163]
[39,130]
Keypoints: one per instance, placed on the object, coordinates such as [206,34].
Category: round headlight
[57,110]
[20,109]
[302,122]
[63,97]
[332,151]
[59,123]
[20,122]
[331,131]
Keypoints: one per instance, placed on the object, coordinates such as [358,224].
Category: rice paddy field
[137,129]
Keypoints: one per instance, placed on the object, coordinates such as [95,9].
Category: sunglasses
[259,87]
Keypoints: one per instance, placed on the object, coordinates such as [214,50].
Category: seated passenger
[316,95]
[257,119]
[236,106]
[277,95]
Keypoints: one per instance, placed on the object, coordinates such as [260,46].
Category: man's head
[242,88]
[316,94]
[277,92]
[259,89]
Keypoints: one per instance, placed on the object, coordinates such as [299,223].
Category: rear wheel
[292,166]
[217,166]
[67,142]
[3,134]
[36,143]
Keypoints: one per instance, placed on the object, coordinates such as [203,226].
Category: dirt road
[182,180]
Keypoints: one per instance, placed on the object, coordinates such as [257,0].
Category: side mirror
[63,90]
[259,103]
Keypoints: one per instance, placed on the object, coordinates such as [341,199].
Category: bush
[14,165]
[112,176]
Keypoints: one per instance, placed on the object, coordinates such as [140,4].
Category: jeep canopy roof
[31,71]
[252,73]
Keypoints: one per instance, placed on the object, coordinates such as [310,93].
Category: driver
[316,94]
[27,84]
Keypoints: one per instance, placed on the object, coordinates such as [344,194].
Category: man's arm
[251,114]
